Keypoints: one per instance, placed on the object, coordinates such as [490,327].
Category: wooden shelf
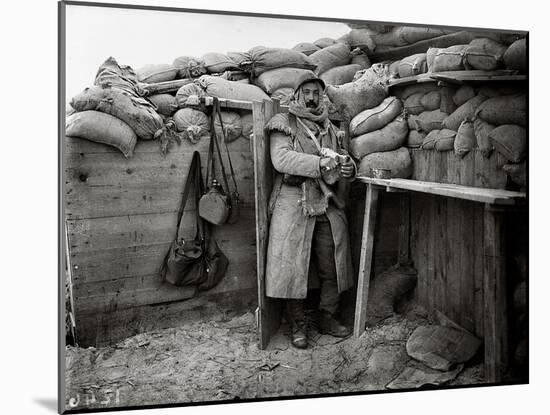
[460,77]
[476,194]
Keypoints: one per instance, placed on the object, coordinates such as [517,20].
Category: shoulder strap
[194,176]
[231,170]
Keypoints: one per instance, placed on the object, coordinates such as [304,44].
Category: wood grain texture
[269,309]
[365,264]
[100,185]
[494,289]
[472,170]
[122,218]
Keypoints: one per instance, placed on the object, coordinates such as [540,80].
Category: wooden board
[99,185]
[121,220]
[269,313]
[365,265]
[491,196]
[487,172]
[494,293]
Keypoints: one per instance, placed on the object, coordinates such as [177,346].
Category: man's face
[311,92]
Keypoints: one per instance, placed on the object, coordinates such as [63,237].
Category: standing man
[308,222]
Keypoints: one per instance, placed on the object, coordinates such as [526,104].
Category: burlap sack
[376,118]
[102,128]
[390,137]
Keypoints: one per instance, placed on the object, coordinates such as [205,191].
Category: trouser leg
[323,247]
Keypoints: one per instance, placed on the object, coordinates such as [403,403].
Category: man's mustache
[311,104]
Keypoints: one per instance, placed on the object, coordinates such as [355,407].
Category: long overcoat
[291,231]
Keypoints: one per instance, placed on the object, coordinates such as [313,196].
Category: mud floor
[219,359]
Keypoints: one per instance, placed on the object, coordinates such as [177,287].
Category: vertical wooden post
[269,311]
[365,264]
[404,247]
[494,293]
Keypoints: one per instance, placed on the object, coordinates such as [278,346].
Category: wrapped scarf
[315,194]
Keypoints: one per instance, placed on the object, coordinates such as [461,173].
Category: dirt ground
[219,359]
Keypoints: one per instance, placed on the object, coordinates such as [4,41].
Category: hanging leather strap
[232,171]
[194,176]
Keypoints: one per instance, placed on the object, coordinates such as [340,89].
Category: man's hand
[327,163]
[347,169]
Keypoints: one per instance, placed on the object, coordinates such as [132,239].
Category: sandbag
[278,78]
[411,121]
[361,38]
[430,140]
[324,42]
[238,57]
[394,69]
[481,131]
[375,118]
[388,138]
[430,101]
[467,110]
[423,88]
[463,95]
[387,289]
[193,124]
[413,34]
[247,122]
[221,88]
[430,120]
[415,139]
[362,60]
[511,141]
[484,54]
[330,57]
[510,109]
[137,112]
[189,67]
[442,348]
[515,56]
[465,140]
[102,128]
[306,48]
[218,62]
[413,65]
[412,104]
[364,93]
[263,59]
[152,74]
[397,161]
[186,91]
[447,59]
[283,95]
[166,104]
[444,140]
[340,74]
[517,172]
[232,125]
[406,35]
[112,75]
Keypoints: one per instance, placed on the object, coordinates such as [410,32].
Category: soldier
[307,217]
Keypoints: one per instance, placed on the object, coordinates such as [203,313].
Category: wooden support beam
[494,289]
[365,264]
[269,313]
[404,249]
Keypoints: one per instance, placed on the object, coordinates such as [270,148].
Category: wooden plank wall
[121,216]
[447,241]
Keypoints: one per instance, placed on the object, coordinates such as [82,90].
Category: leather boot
[329,325]
[298,323]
